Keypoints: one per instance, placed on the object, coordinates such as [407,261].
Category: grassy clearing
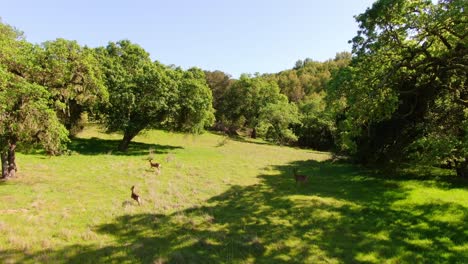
[223,201]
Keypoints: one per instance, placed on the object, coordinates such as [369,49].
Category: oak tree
[26,116]
[405,95]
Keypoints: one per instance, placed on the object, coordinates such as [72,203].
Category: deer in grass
[135,196]
[299,178]
[155,165]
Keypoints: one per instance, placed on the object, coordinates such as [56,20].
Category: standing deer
[155,165]
[299,178]
[135,196]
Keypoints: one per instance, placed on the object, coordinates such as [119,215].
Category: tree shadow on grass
[341,215]
[442,178]
[251,140]
[241,138]
[97,146]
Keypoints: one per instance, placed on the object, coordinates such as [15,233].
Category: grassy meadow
[220,200]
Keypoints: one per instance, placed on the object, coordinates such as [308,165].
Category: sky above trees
[232,36]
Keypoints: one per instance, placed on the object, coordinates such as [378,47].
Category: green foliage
[276,120]
[291,85]
[219,83]
[29,120]
[317,123]
[191,107]
[306,85]
[406,85]
[73,76]
[246,98]
[135,85]
[310,78]
[26,116]
[146,94]
[139,89]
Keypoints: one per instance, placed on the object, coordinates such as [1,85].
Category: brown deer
[135,196]
[299,178]
[155,165]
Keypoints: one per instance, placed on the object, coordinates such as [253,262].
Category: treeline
[401,96]
[287,107]
[48,91]
[121,87]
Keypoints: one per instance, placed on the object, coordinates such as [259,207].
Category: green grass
[223,201]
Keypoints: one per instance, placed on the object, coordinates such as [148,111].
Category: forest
[362,158]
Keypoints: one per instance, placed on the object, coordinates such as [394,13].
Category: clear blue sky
[237,36]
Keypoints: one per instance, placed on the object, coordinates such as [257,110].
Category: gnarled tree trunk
[123,146]
[4,157]
[9,161]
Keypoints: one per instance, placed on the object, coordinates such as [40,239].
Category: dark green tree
[219,83]
[405,95]
[317,123]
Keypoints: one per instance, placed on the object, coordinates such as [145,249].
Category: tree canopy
[26,115]
[146,94]
[405,95]
[73,76]
[246,98]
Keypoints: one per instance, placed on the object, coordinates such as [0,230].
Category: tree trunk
[9,161]
[12,159]
[4,157]
[254,133]
[74,124]
[462,169]
[123,146]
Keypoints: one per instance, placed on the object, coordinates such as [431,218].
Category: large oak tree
[405,95]
[26,116]
[146,94]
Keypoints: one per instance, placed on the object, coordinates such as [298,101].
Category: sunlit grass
[219,200]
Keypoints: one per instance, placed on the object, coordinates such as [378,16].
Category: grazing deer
[155,165]
[135,196]
[299,178]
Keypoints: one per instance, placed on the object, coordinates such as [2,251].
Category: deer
[155,165]
[135,196]
[299,178]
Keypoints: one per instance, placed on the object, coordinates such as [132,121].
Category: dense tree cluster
[48,90]
[404,98]
[287,107]
[400,97]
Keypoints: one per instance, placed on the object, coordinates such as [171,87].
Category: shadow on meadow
[340,215]
[242,139]
[251,141]
[97,146]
